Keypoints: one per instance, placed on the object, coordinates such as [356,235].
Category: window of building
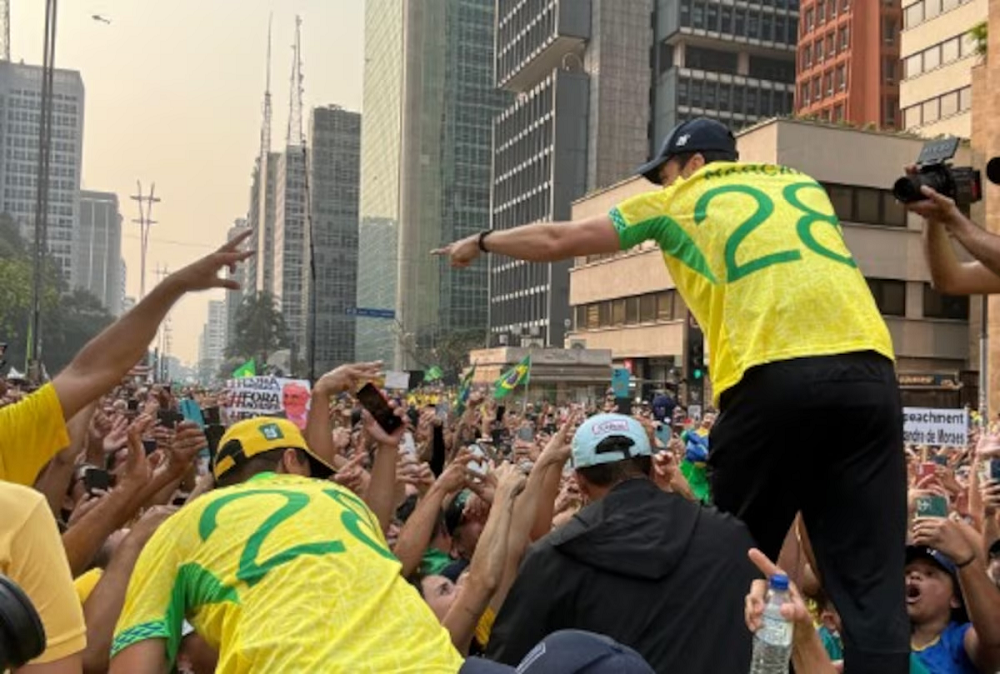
[890,296]
[726,25]
[841,77]
[951,50]
[913,15]
[647,308]
[949,104]
[765,68]
[713,60]
[804,95]
[932,57]
[931,110]
[665,306]
[949,307]
[631,310]
[931,9]
[911,117]
[842,198]
[889,69]
[592,321]
[845,5]
[913,65]
[838,113]
[753,23]
[810,20]
[844,38]
[712,16]
[868,204]
[889,108]
[819,51]
[828,84]
[807,57]
[815,89]
[831,47]
[965,99]
[821,11]
[618,312]
[889,30]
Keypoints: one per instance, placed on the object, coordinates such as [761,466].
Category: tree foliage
[980,36]
[70,319]
[260,329]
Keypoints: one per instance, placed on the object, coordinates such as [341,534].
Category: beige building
[986,144]
[935,95]
[627,302]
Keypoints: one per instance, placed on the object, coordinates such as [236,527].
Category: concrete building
[20,91]
[97,254]
[628,302]
[426,167]
[568,130]
[290,244]
[731,62]
[935,94]
[242,275]
[849,66]
[212,344]
[334,182]
[557,375]
[260,217]
[381,141]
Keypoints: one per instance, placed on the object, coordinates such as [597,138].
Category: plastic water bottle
[772,644]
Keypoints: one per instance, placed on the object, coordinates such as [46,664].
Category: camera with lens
[22,637]
[962,183]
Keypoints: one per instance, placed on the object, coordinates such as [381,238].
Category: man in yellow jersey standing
[279,572]
[801,363]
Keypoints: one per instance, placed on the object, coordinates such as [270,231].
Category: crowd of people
[152,533]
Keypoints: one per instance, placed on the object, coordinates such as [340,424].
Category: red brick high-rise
[848,61]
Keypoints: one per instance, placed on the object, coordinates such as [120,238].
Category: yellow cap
[250,437]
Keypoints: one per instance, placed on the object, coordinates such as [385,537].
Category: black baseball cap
[696,135]
[569,652]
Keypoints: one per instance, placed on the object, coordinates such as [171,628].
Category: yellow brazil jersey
[283,574]
[757,253]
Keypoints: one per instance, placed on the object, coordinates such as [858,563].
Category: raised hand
[204,274]
[187,442]
[348,377]
[753,608]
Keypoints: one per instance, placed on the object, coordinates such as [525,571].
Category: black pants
[824,436]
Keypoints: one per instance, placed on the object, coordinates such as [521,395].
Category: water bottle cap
[779,581]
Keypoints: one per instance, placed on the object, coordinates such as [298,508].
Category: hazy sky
[173,96]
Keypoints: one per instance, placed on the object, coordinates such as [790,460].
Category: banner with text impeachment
[928,426]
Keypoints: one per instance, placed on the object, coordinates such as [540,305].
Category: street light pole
[42,193]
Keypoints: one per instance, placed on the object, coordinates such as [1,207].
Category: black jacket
[652,570]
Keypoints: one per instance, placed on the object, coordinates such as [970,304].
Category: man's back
[656,572]
[283,573]
[757,253]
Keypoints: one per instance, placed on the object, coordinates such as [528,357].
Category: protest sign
[929,426]
[250,397]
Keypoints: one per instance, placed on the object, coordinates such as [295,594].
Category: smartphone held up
[377,406]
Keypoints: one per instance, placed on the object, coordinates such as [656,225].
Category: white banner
[267,396]
[397,381]
[928,426]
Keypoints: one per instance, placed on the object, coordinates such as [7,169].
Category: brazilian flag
[434,373]
[247,369]
[464,389]
[520,374]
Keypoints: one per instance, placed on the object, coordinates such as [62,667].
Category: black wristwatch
[482,239]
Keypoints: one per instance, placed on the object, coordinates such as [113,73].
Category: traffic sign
[371,313]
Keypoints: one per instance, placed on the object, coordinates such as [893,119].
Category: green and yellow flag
[433,373]
[464,389]
[247,369]
[519,374]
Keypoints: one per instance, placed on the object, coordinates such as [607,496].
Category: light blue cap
[593,431]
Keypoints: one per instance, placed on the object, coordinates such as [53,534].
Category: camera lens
[22,637]
[907,189]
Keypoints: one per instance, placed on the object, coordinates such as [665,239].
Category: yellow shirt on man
[32,431]
[32,555]
[757,253]
[283,574]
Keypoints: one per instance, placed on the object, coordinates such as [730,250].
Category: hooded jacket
[652,570]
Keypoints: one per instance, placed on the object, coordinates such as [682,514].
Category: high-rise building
[849,67]
[212,345]
[568,131]
[331,244]
[235,297]
[21,91]
[97,254]
[433,100]
[938,55]
[381,139]
[289,243]
[260,217]
[734,63]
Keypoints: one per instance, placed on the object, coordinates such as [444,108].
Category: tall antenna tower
[295,93]
[5,30]
[265,125]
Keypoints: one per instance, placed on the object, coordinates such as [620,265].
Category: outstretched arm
[539,242]
[108,357]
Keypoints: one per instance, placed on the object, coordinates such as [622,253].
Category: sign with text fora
[250,397]
[928,426]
